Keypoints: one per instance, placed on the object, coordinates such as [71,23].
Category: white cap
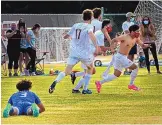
[130,14]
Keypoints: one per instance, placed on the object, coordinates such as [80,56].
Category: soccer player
[121,61]
[112,60]
[125,26]
[23,102]
[81,49]
[100,42]
[97,25]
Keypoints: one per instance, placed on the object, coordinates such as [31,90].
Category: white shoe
[33,74]
[26,72]
[22,74]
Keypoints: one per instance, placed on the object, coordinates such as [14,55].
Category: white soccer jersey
[97,25]
[80,45]
[126,25]
[100,38]
[100,42]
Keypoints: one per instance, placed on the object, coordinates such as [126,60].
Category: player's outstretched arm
[41,107]
[104,49]
[139,42]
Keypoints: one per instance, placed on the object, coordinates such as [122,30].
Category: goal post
[153,9]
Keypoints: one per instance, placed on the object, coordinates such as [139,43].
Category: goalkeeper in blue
[24,102]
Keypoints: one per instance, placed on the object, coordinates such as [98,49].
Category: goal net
[153,9]
[51,40]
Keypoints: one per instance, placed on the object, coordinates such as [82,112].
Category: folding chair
[38,64]
[39,69]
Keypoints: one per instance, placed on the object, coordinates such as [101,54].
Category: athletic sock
[77,74]
[60,76]
[81,81]
[133,75]
[87,78]
[109,78]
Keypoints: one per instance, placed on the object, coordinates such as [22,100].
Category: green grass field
[115,104]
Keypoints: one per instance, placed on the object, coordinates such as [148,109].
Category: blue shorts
[22,108]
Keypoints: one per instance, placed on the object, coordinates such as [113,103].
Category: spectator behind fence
[23,54]
[31,48]
[148,36]
[13,48]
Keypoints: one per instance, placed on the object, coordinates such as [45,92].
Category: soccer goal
[152,9]
[51,40]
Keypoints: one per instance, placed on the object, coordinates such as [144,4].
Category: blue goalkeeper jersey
[24,97]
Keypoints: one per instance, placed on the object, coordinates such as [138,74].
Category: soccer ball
[51,72]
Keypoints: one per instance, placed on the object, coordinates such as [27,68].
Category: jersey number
[78,31]
[23,94]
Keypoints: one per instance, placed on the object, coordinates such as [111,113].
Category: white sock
[60,76]
[77,74]
[133,75]
[81,81]
[87,78]
[109,78]
[108,68]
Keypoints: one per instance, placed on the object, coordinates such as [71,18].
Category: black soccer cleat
[73,78]
[75,91]
[52,87]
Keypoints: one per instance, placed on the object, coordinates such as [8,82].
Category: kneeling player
[121,61]
[23,102]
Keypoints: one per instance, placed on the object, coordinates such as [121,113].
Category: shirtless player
[127,41]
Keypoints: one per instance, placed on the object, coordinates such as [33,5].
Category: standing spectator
[31,49]
[23,53]
[148,37]
[125,26]
[13,48]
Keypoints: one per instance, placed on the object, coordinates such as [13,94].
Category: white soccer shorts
[121,61]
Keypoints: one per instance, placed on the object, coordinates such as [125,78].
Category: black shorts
[133,50]
[22,50]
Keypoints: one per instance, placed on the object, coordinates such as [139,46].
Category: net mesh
[153,9]
[51,40]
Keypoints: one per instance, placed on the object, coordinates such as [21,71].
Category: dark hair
[118,33]
[148,20]
[87,14]
[105,22]
[21,23]
[24,85]
[37,25]
[96,12]
[133,28]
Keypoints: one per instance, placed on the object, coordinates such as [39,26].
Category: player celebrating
[120,59]
[97,25]
[100,42]
[81,49]
[23,102]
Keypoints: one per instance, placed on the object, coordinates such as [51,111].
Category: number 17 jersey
[81,44]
